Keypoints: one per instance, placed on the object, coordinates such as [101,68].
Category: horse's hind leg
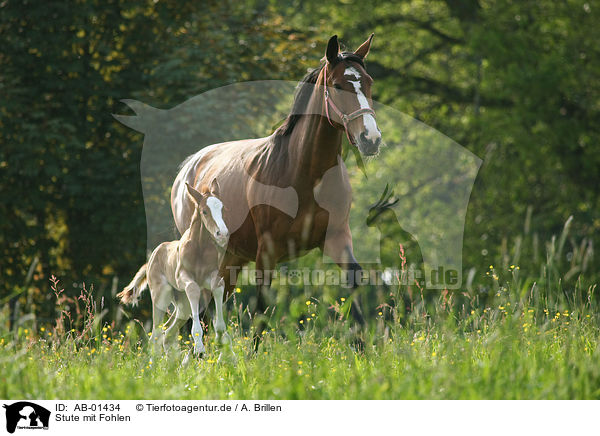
[162,296]
[178,319]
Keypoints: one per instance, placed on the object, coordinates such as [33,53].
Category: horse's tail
[131,294]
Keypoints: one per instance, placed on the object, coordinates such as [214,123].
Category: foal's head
[349,87]
[210,210]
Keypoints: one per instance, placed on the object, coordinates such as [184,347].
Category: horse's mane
[186,160]
[302,96]
[304,90]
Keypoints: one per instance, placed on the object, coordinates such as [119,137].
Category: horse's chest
[309,227]
[203,268]
[200,262]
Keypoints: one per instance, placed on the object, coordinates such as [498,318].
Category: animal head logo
[26,415]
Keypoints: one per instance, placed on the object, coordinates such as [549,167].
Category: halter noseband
[346,118]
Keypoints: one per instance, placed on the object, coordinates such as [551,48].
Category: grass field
[509,334]
[511,350]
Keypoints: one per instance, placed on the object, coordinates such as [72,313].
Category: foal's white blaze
[216,210]
[371,130]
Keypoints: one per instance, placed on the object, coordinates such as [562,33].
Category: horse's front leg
[264,269]
[338,246]
[194,292]
[218,290]
[221,336]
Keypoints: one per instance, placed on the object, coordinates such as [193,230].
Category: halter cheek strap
[345,118]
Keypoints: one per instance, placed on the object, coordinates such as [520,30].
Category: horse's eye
[337,86]
[204,212]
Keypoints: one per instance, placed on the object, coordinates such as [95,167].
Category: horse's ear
[194,195]
[333,48]
[214,188]
[363,50]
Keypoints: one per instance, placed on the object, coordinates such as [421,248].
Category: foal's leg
[193,293]
[180,316]
[162,294]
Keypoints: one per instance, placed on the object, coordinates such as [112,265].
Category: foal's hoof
[223,339]
[199,351]
[186,360]
[227,357]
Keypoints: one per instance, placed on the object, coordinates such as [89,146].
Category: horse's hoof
[228,357]
[225,340]
[357,344]
[199,351]
[252,353]
[186,360]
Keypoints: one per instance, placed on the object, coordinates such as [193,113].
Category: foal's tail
[131,294]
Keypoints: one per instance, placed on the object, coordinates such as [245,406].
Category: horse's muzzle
[367,146]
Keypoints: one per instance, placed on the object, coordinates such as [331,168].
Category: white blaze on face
[216,210]
[371,130]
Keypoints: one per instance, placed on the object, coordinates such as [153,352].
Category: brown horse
[289,192]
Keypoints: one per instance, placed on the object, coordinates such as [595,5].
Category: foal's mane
[304,90]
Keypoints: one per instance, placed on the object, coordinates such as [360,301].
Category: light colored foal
[188,265]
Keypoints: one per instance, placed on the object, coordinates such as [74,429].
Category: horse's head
[210,209]
[348,95]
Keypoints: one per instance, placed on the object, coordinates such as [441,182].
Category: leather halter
[346,118]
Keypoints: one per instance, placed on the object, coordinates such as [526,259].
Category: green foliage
[71,200]
[513,82]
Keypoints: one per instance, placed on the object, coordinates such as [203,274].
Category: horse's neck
[316,143]
[198,239]
[192,238]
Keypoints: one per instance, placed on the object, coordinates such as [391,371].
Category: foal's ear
[333,48]
[195,195]
[363,50]
[214,188]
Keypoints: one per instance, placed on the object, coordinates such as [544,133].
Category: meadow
[517,352]
[529,338]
